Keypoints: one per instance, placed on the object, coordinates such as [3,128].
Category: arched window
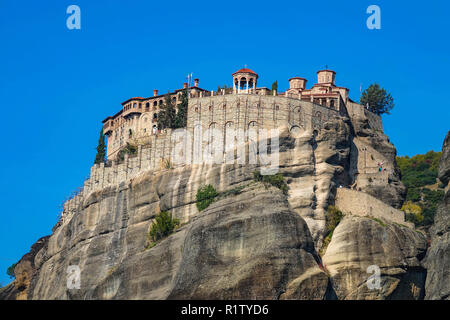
[252,125]
[134,105]
[229,130]
[155,103]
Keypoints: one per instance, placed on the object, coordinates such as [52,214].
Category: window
[134,105]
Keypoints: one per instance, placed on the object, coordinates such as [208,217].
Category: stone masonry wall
[238,111]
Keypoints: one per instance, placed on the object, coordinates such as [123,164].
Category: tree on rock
[275,86]
[181,117]
[378,99]
[101,149]
[10,271]
[166,116]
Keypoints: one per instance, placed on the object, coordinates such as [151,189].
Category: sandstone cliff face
[361,242]
[369,148]
[255,244]
[438,256]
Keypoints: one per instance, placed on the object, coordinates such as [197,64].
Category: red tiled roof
[245,70]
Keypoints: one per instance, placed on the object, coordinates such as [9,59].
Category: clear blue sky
[58,84]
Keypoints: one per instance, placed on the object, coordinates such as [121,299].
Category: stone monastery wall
[219,112]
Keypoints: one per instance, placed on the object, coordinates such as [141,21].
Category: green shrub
[332,218]
[205,196]
[418,172]
[164,225]
[129,149]
[10,271]
[381,223]
[276,180]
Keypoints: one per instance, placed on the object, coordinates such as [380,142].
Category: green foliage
[167,164]
[332,218]
[413,212]
[167,114]
[10,271]
[381,223]
[164,225]
[274,86]
[129,149]
[276,180]
[101,149]
[205,196]
[418,174]
[180,120]
[233,192]
[378,99]
[420,170]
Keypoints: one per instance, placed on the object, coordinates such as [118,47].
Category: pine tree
[101,149]
[181,117]
[166,116]
[378,99]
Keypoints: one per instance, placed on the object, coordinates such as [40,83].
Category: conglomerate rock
[253,243]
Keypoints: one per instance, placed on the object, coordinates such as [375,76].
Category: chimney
[155,93]
[196,82]
[185,85]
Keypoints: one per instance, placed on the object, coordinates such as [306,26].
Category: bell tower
[244,81]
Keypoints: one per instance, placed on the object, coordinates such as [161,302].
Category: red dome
[245,70]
